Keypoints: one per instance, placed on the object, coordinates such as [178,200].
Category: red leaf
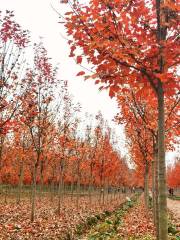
[79,59]
[80,73]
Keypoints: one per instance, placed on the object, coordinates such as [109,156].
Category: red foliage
[174,175]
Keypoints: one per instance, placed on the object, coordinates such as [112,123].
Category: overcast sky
[39,17]
[42,21]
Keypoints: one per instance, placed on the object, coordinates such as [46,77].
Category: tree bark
[72,189]
[52,185]
[20,182]
[146,185]
[60,187]
[78,191]
[1,151]
[33,197]
[41,178]
[162,199]
[154,189]
[90,183]
[156,194]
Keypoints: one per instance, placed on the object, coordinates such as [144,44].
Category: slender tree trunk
[90,184]
[146,185]
[2,138]
[153,190]
[111,193]
[21,170]
[162,200]
[72,190]
[41,178]
[103,193]
[90,192]
[60,190]
[52,190]
[0,157]
[52,186]
[78,192]
[5,196]
[33,197]
[156,193]
[1,151]
[107,191]
[102,181]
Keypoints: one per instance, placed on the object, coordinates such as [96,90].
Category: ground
[174,206]
[125,223]
[15,219]
[130,222]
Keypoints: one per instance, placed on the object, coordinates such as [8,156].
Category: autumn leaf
[80,73]
[79,59]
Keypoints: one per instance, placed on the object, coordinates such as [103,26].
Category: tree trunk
[5,196]
[146,185]
[52,190]
[156,193]
[72,190]
[20,182]
[41,179]
[60,190]
[162,199]
[102,182]
[78,192]
[52,186]
[33,197]
[90,183]
[1,151]
[153,190]
[90,192]
[103,193]
[108,191]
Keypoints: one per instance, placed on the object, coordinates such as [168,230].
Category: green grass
[174,197]
[107,229]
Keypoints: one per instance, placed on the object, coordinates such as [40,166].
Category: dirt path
[174,206]
[130,221]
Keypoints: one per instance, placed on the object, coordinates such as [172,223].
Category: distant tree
[13,41]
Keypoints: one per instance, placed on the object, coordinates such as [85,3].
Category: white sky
[38,17]
[41,20]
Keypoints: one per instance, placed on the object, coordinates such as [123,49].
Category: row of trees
[173,175]
[133,47]
[41,137]
[140,121]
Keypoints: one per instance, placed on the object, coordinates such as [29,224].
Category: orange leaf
[79,59]
[80,73]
